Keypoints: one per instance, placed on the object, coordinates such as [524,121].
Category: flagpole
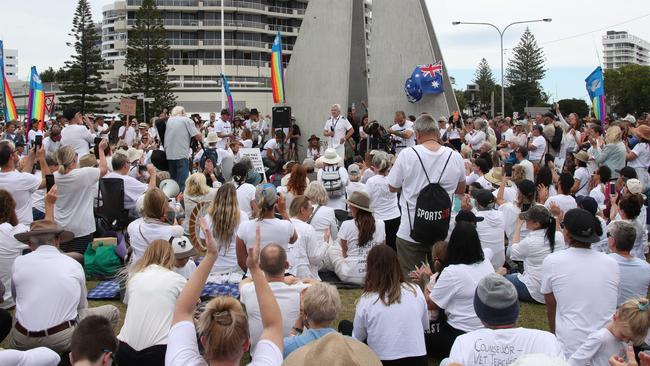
[223,57]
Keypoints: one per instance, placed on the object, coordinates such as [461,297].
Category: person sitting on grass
[321,305]
[496,304]
[223,327]
[635,272]
[93,343]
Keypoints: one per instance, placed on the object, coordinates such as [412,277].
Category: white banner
[256,158]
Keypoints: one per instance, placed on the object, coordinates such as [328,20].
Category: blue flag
[595,84]
[431,81]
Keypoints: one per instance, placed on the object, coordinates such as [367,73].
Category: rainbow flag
[36,106]
[10,111]
[595,84]
[226,87]
[277,73]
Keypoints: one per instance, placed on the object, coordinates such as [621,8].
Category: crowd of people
[446,225]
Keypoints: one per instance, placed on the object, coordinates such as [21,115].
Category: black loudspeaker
[281,117]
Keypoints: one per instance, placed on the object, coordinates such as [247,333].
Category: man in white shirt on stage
[337,130]
[223,128]
[402,132]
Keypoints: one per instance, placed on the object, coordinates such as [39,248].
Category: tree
[486,86]
[83,84]
[146,58]
[53,76]
[627,89]
[460,98]
[525,70]
[578,106]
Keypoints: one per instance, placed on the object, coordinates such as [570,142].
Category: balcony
[235,62]
[257,7]
[181,22]
[163,3]
[182,42]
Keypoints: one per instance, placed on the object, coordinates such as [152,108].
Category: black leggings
[439,339]
[391,226]
[151,356]
[5,324]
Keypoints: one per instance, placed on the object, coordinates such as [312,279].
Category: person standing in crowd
[224,315]
[580,285]
[402,132]
[639,157]
[437,164]
[74,204]
[629,209]
[581,175]
[75,134]
[453,291]
[496,305]
[356,237]
[334,178]
[521,156]
[223,128]
[101,128]
[383,202]
[635,272]
[476,135]
[563,197]
[47,277]
[612,155]
[391,314]
[337,130]
[53,141]
[537,145]
[129,133]
[491,229]
[21,185]
[543,239]
[152,288]
[179,131]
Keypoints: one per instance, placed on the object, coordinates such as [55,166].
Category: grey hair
[624,234]
[41,239]
[427,125]
[316,193]
[380,161]
[322,303]
[337,106]
[178,111]
[247,162]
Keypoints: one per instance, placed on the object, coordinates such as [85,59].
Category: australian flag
[430,78]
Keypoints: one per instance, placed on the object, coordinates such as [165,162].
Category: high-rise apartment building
[11,64]
[194,35]
[622,48]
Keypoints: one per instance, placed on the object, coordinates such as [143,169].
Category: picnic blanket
[331,278]
[108,290]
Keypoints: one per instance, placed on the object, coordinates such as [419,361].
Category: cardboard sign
[127,106]
[256,158]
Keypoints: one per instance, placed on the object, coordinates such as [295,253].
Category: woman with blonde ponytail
[223,327]
[75,196]
[152,289]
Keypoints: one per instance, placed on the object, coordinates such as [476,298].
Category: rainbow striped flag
[36,106]
[595,84]
[10,111]
[277,73]
[226,87]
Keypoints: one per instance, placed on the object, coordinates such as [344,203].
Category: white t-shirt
[75,198]
[272,231]
[475,139]
[528,168]
[635,277]
[585,285]
[245,194]
[532,250]
[598,195]
[143,231]
[222,127]
[288,298]
[10,249]
[227,260]
[395,331]
[402,143]
[502,346]
[509,193]
[355,187]
[565,202]
[78,137]
[183,349]
[582,174]
[40,356]
[454,291]
[306,255]
[491,233]
[597,349]
[382,201]
[540,148]
[187,270]
[273,145]
[50,146]
[324,218]
[355,263]
[21,186]
[133,188]
[408,175]
[642,152]
[341,126]
[129,137]
[151,295]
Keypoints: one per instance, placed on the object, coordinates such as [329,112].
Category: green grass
[530,316]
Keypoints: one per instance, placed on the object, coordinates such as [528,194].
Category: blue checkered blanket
[107,290]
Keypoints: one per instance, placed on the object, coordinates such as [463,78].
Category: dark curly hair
[7,208]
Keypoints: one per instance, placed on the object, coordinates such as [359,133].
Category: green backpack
[101,263]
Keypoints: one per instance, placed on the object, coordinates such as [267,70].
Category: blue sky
[571,42]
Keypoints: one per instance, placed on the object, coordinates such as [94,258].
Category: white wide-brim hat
[331,157]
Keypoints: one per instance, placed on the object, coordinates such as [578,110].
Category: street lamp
[501,32]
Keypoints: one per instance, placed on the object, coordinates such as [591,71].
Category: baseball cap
[627,172]
[537,213]
[634,186]
[353,170]
[496,301]
[483,197]
[468,216]
[183,247]
[588,203]
[581,225]
[267,193]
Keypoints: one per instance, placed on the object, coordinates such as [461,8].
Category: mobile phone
[49,182]
[38,140]
[507,168]
[612,189]
[96,149]
[97,141]
[142,168]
